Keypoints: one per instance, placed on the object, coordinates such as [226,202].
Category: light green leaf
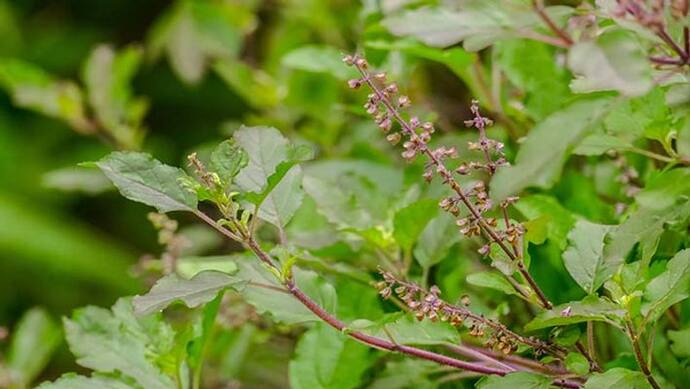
[492,280]
[680,342]
[409,222]
[540,158]
[405,329]
[254,85]
[77,179]
[591,308]
[117,342]
[683,141]
[598,144]
[558,219]
[664,190]
[141,178]
[669,287]
[196,291]
[437,238]
[614,61]
[266,148]
[107,75]
[584,256]
[34,340]
[280,204]
[73,381]
[327,359]
[318,59]
[617,377]
[577,363]
[515,380]
[227,159]
[31,87]
[405,374]
[188,267]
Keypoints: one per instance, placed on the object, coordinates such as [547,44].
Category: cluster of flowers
[428,304]
[386,105]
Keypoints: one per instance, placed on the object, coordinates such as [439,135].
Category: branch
[635,340]
[539,8]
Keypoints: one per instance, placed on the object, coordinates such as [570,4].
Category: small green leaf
[227,159]
[680,342]
[318,59]
[589,308]
[34,340]
[617,378]
[669,287]
[196,291]
[326,358]
[492,280]
[436,240]
[141,178]
[541,157]
[515,380]
[664,190]
[584,256]
[409,222]
[577,363]
[614,61]
[558,219]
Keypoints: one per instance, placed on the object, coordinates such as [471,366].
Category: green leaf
[669,287]
[188,267]
[478,23]
[540,158]
[193,292]
[409,222]
[598,144]
[254,85]
[227,159]
[680,342]
[31,87]
[645,227]
[325,358]
[141,178]
[77,179]
[283,199]
[614,61]
[664,190]
[318,59]
[34,339]
[266,148]
[617,378]
[405,329]
[406,373]
[515,380]
[584,256]
[591,308]
[577,363]
[436,240]
[683,141]
[558,219]
[492,280]
[117,342]
[107,75]
[73,381]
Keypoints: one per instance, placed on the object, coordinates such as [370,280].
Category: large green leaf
[492,280]
[614,61]
[326,358]
[139,177]
[591,308]
[584,256]
[198,290]
[437,238]
[410,221]
[73,381]
[318,59]
[669,287]
[117,342]
[266,148]
[540,158]
[617,377]
[556,219]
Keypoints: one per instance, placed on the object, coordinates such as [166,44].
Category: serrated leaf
[617,377]
[325,358]
[141,178]
[266,148]
[117,342]
[540,158]
[193,292]
[584,256]
[515,380]
[669,287]
[492,280]
[591,308]
[614,61]
[437,238]
[409,222]
[227,159]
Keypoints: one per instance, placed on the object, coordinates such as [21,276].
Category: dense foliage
[470,193]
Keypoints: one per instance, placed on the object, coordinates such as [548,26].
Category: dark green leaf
[227,159]
[409,222]
[669,287]
[584,256]
[617,378]
[437,238]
